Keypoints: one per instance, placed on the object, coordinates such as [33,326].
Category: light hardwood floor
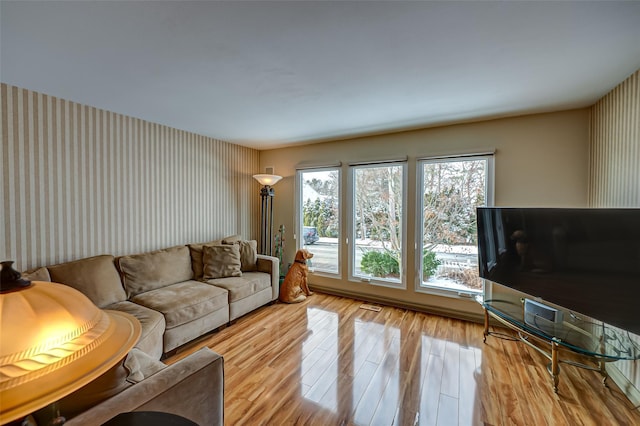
[326,361]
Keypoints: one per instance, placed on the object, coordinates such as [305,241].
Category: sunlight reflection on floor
[354,368]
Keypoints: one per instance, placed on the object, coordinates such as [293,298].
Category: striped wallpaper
[615,147]
[615,173]
[78,181]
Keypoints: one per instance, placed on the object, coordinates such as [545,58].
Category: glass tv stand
[598,342]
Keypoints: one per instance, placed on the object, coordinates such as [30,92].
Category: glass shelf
[579,335]
[599,342]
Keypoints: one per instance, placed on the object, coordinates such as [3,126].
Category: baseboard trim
[465,316]
[624,384]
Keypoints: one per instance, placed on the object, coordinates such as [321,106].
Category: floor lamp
[266,211]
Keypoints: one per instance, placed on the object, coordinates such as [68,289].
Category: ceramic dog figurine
[295,289]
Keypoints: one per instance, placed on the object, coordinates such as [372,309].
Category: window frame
[490,201]
[350,240]
[299,220]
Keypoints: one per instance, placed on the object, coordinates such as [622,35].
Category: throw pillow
[196,257]
[248,255]
[132,369]
[221,261]
[231,239]
[38,274]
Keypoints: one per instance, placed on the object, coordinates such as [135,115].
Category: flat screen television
[584,260]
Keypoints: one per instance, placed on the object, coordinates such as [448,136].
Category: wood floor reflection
[328,362]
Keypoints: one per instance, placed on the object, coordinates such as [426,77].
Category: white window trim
[402,284]
[490,201]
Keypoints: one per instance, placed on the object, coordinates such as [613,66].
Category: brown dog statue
[294,288]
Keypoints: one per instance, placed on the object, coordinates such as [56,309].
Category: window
[319,218]
[377,225]
[451,189]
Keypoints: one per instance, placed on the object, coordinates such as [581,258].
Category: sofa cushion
[156,269]
[95,277]
[240,287]
[135,367]
[221,261]
[196,257]
[153,325]
[183,302]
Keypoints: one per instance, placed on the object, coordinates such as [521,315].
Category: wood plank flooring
[328,362]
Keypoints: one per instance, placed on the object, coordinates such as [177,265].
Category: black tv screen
[585,260]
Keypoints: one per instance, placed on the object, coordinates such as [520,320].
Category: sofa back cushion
[156,269]
[95,277]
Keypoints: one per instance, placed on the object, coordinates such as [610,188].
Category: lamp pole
[266,233]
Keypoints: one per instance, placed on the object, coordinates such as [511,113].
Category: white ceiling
[268,74]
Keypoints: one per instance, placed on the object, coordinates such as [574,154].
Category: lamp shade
[54,340]
[267,180]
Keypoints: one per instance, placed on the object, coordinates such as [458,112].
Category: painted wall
[615,174]
[78,181]
[540,160]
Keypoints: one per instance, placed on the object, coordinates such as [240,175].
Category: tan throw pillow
[221,261]
[196,257]
[140,366]
[248,255]
[135,367]
[231,239]
[38,274]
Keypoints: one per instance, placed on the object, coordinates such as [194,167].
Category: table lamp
[53,341]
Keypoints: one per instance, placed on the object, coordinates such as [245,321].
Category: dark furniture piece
[149,418]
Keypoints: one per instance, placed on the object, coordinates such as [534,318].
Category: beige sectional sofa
[177,294]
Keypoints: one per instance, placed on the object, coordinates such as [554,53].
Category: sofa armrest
[192,388]
[271,265]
